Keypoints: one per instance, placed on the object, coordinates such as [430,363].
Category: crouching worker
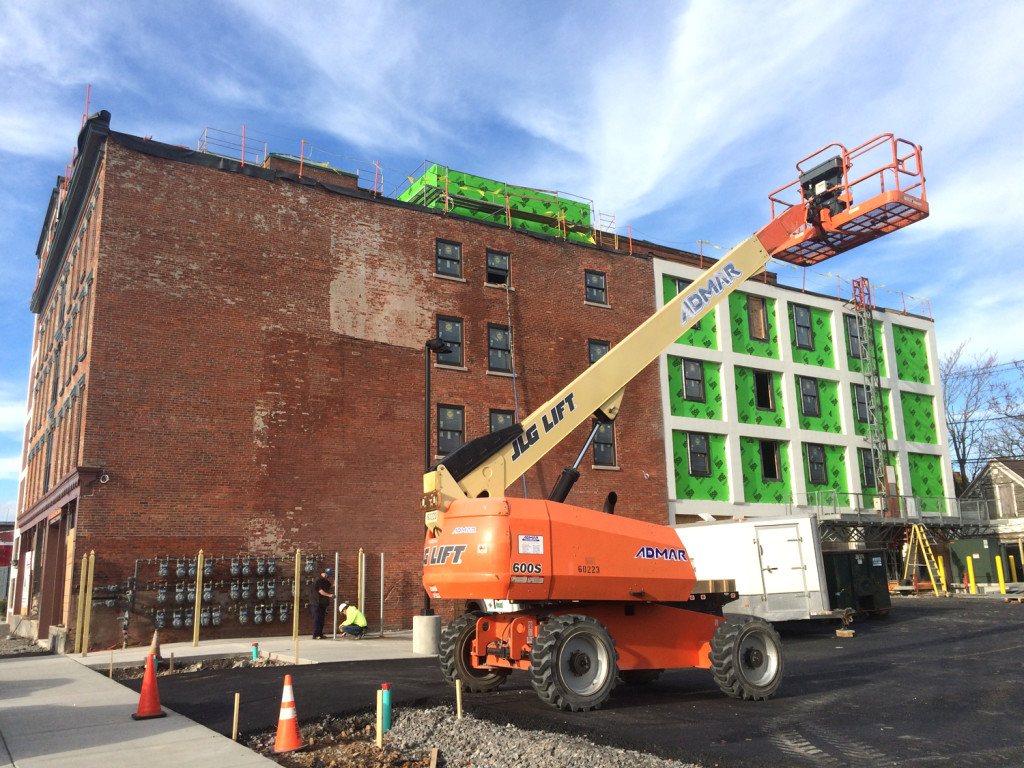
[353,623]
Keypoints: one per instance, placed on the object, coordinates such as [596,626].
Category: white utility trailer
[777,564]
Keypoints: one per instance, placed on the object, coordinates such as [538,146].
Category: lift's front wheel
[455,655]
[746,658]
[573,663]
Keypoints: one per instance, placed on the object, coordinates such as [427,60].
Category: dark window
[497,268]
[816,473]
[693,380]
[757,313]
[680,287]
[449,329]
[501,419]
[597,288]
[499,348]
[449,258]
[764,390]
[867,468]
[810,404]
[852,335]
[860,402]
[697,454]
[604,446]
[771,469]
[596,349]
[802,323]
[451,430]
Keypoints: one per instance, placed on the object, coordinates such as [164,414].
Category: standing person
[353,623]
[320,596]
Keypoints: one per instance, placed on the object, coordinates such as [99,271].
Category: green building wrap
[828,401]
[711,407]
[747,411]
[919,423]
[712,488]
[911,350]
[755,489]
[853,362]
[823,354]
[705,333]
[740,328]
[489,200]
[926,481]
[834,489]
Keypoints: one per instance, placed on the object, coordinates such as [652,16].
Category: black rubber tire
[573,664]
[639,676]
[746,658]
[454,656]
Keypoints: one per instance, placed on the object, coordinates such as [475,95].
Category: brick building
[229,357]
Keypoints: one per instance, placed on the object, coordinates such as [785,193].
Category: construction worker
[353,622]
[320,596]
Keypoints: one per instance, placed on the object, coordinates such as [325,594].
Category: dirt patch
[180,667]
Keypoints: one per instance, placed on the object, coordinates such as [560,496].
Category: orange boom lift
[603,597]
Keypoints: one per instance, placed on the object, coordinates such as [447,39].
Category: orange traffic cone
[288,738]
[149,701]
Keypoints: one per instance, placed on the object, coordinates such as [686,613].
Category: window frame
[457,346]
[853,339]
[771,390]
[765,329]
[866,459]
[776,458]
[860,396]
[808,327]
[691,452]
[700,396]
[681,285]
[491,348]
[499,412]
[607,427]
[587,273]
[593,344]
[804,395]
[820,459]
[507,268]
[438,258]
[461,409]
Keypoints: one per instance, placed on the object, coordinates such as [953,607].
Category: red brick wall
[255,375]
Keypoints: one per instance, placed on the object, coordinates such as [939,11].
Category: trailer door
[780,551]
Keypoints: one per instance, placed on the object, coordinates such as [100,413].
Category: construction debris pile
[415,734]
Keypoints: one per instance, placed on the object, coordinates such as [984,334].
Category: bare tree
[1007,435]
[971,389]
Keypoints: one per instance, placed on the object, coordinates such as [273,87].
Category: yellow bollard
[999,573]
[942,574]
[199,599]
[1013,569]
[970,575]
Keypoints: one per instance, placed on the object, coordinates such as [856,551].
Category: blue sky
[678,118]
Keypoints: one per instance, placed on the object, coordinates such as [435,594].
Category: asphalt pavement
[938,683]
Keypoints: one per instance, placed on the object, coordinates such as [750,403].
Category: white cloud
[10,467]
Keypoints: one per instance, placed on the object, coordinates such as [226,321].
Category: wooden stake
[171,663]
[234,723]
[433,758]
[458,699]
[111,665]
[380,718]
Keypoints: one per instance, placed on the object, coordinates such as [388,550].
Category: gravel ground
[19,646]
[350,742]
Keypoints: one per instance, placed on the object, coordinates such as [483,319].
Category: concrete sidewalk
[63,711]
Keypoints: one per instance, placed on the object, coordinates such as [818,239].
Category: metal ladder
[919,542]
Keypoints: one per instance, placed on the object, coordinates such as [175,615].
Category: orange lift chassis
[602,597]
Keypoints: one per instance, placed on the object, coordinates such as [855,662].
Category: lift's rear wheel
[573,663]
[455,655]
[746,658]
